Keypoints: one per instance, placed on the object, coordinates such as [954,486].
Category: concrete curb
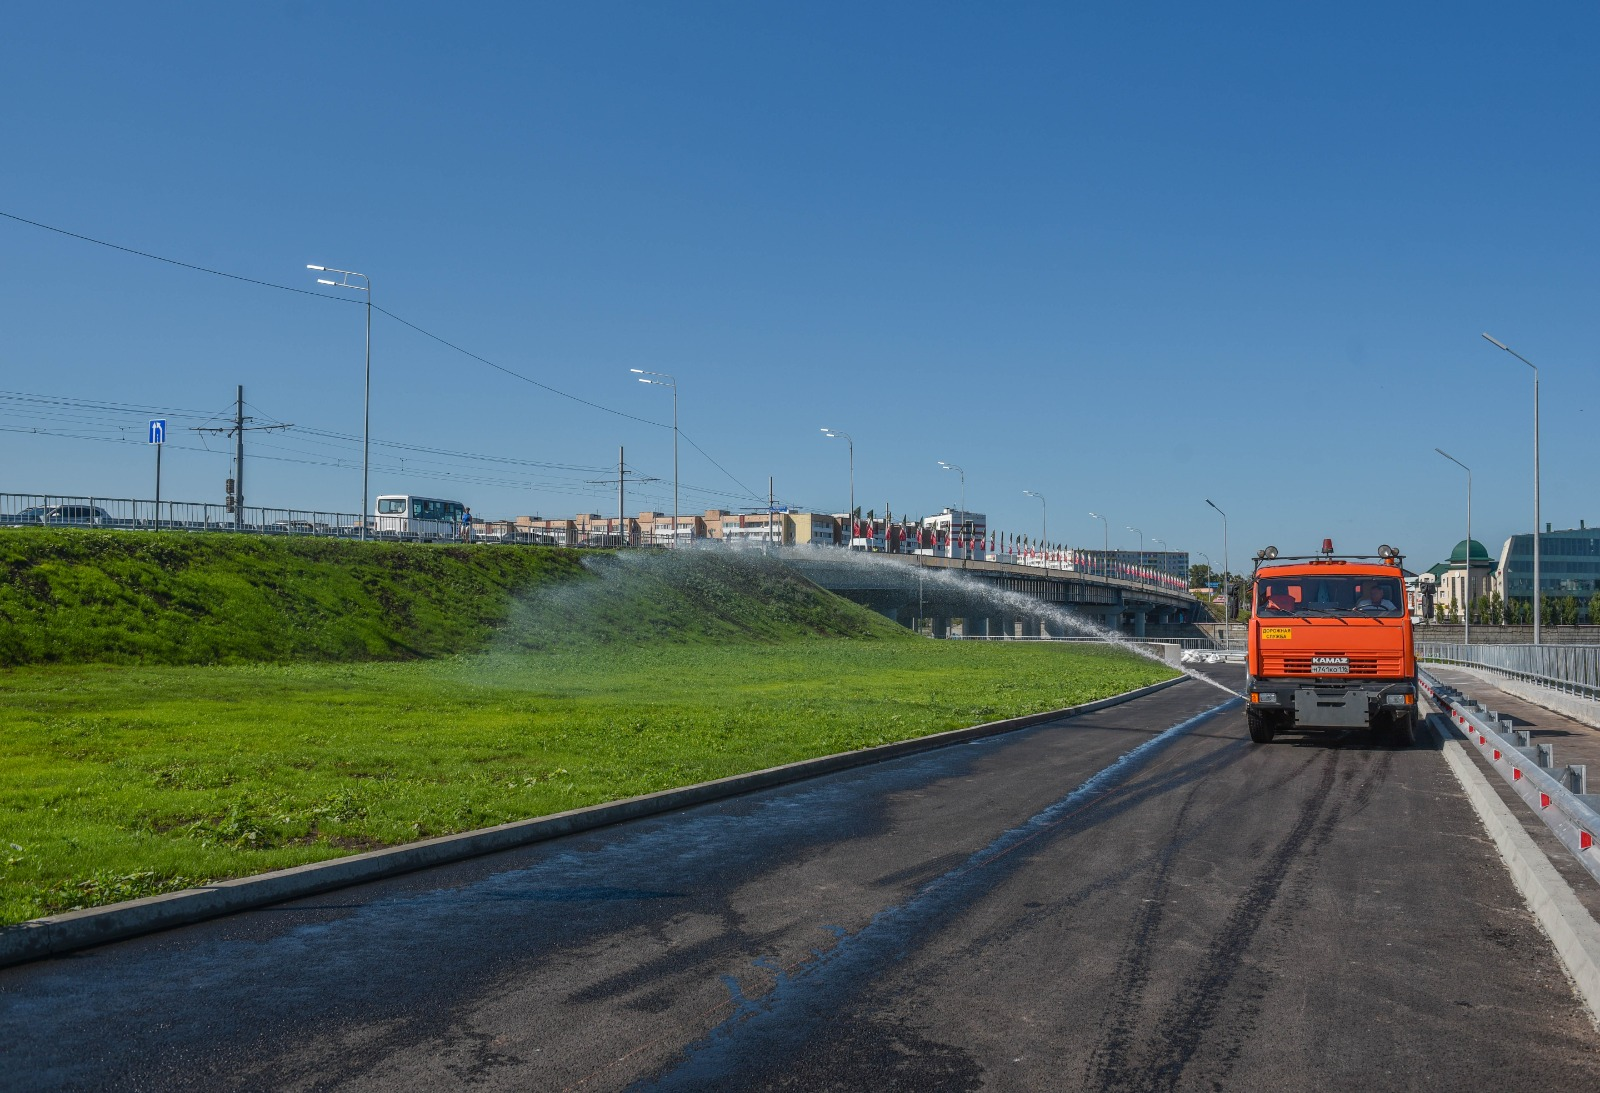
[1568,924]
[42,937]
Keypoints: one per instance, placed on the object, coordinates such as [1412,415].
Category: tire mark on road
[1182,1029]
[1110,1057]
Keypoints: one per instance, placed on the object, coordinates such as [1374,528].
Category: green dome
[1459,554]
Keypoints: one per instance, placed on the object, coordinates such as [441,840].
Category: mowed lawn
[117,782]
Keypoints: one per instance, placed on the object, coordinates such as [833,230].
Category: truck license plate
[1330,666]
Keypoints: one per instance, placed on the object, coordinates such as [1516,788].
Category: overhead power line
[338,300]
[748,492]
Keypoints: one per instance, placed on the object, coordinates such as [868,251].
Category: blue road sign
[158,431]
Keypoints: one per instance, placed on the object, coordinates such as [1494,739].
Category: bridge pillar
[1138,624]
[941,626]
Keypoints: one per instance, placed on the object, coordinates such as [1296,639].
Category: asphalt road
[1037,911]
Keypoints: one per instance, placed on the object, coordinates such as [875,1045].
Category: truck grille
[1300,665]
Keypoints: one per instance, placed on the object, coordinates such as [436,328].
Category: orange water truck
[1330,646]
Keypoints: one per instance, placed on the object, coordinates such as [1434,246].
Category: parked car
[74,515]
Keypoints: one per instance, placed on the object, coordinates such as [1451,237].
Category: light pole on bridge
[1105,556]
[1536,525]
[1044,522]
[848,439]
[967,549]
[1466,615]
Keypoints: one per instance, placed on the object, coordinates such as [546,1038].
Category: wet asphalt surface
[1037,911]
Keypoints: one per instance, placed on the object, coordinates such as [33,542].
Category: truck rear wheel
[1262,727]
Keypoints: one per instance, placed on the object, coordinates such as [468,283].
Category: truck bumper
[1332,704]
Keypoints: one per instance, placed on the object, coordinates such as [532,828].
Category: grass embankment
[120,781]
[123,598]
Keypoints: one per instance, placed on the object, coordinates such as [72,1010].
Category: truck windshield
[1308,596]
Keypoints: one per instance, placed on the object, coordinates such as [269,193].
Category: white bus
[404,516]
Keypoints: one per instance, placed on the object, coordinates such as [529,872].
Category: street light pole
[1466,616]
[1105,555]
[1044,524]
[1130,527]
[667,380]
[967,547]
[848,439]
[1153,541]
[1537,613]
[1227,592]
[366,398]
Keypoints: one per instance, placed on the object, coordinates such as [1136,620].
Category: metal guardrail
[131,514]
[1571,669]
[1558,796]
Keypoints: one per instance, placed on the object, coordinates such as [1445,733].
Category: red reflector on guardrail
[1544,800]
[1585,840]
[1515,774]
[1497,754]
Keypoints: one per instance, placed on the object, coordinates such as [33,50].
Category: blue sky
[1128,258]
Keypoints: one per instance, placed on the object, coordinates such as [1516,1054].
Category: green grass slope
[75,597]
[693,597]
[166,719]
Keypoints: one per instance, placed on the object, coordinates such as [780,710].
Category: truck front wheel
[1398,729]
[1391,728]
[1262,728]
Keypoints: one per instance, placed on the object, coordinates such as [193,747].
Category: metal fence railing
[1571,669]
[47,510]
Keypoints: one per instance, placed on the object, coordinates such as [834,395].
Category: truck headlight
[1264,698]
[1398,700]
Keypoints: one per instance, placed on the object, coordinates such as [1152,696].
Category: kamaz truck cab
[1330,645]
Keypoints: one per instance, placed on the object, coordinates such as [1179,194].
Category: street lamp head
[1096,516]
[325,281]
[637,371]
[321,268]
[1496,342]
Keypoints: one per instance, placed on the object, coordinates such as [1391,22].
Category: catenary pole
[238,461]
